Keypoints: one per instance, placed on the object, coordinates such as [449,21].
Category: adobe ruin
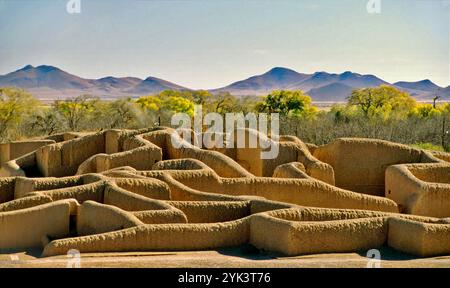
[131,190]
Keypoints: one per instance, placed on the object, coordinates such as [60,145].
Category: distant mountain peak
[50,82]
[321,74]
[347,74]
[280,74]
[277,70]
[28,67]
[41,68]
[150,78]
[107,78]
[47,68]
[321,83]
[422,85]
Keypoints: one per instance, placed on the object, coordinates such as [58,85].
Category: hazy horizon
[206,45]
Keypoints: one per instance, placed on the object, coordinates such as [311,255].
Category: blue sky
[211,43]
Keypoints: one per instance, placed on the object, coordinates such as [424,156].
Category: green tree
[247,104]
[224,102]
[179,105]
[121,113]
[384,101]
[75,110]
[165,103]
[15,106]
[151,103]
[202,97]
[427,111]
[46,122]
[188,94]
[343,113]
[289,103]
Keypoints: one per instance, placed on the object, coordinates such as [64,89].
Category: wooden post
[443,132]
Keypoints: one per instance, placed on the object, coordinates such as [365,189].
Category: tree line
[379,112]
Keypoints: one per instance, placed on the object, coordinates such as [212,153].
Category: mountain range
[329,87]
[50,83]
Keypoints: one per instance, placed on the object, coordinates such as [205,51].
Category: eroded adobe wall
[165,237]
[212,212]
[194,199]
[286,149]
[96,218]
[317,237]
[418,238]
[291,170]
[7,186]
[150,188]
[25,185]
[441,155]
[13,150]
[359,164]
[123,148]
[306,192]
[223,165]
[26,228]
[25,202]
[63,159]
[420,189]
[431,173]
[93,191]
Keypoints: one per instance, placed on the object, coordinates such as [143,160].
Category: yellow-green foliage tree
[15,105]
[384,102]
[425,110]
[45,122]
[167,101]
[289,103]
[75,110]
[179,105]
[198,97]
[224,102]
[344,113]
[151,103]
[120,113]
[202,97]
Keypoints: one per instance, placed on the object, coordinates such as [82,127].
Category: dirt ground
[244,257]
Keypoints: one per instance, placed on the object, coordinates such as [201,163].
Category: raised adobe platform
[132,190]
